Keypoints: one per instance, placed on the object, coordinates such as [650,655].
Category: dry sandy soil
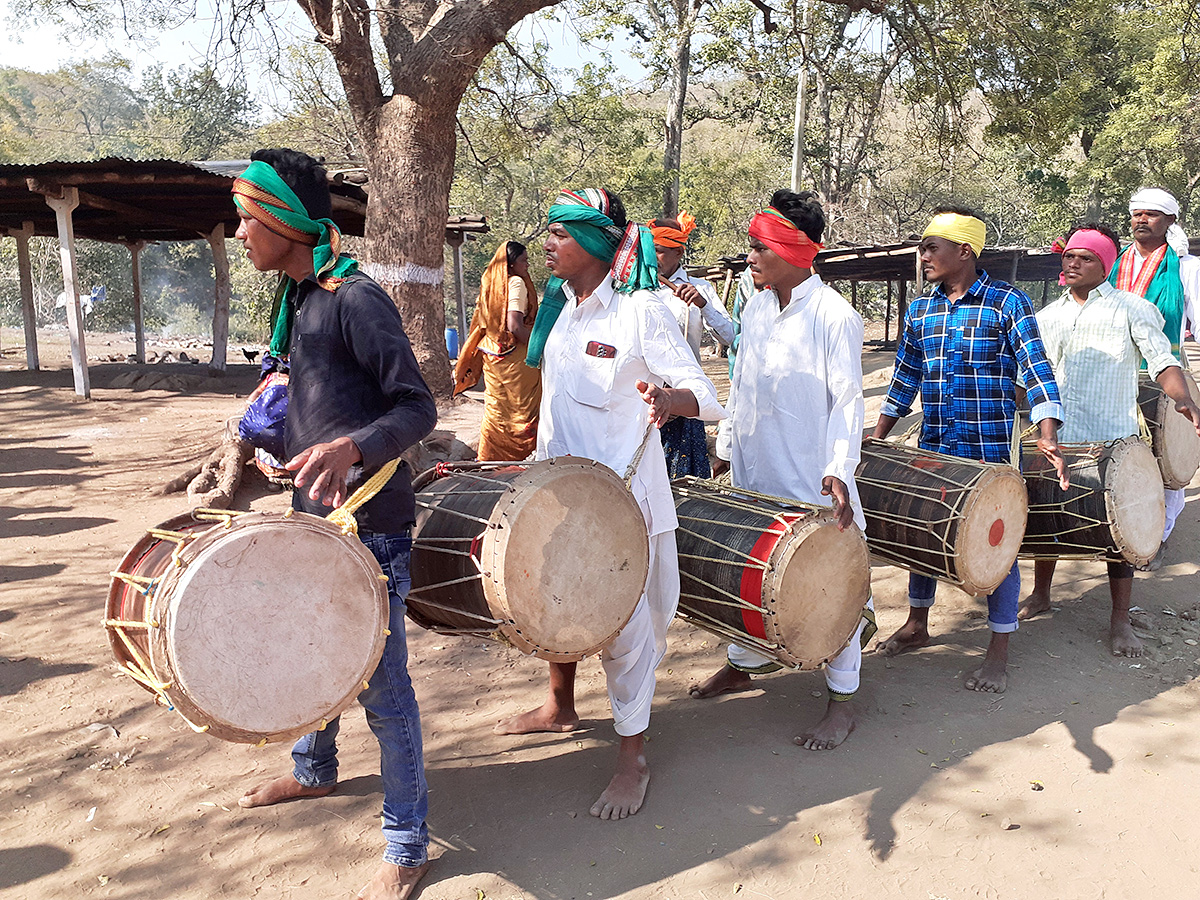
[1077,783]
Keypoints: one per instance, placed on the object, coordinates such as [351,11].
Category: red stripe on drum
[752,575]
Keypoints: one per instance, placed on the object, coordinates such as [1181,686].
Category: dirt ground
[1077,783]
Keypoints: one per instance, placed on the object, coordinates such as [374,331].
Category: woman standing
[500,330]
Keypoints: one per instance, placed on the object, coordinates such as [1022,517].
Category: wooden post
[216,241]
[725,289]
[1012,272]
[139,326]
[455,240]
[887,315]
[28,311]
[1045,292]
[63,206]
[901,309]
[854,295]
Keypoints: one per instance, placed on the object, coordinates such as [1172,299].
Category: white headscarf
[1163,202]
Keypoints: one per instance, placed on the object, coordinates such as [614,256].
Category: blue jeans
[392,714]
[1002,602]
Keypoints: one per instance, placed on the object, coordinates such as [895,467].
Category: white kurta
[596,352]
[1189,275]
[795,401]
[692,319]
[796,415]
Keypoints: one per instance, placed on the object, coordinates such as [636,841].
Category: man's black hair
[668,223]
[803,210]
[513,252]
[303,174]
[1096,226]
[957,210]
[616,209]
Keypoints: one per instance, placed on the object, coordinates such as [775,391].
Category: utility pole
[801,100]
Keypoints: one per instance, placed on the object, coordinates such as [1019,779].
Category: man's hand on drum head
[832,486]
[665,402]
[1049,448]
[322,469]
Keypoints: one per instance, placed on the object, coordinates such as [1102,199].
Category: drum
[954,519]
[255,627]
[1173,439]
[1112,510]
[772,574]
[551,557]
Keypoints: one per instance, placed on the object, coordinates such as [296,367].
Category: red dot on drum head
[996,533]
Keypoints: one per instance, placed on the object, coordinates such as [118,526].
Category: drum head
[1178,445]
[1134,502]
[565,559]
[822,580]
[270,626]
[990,530]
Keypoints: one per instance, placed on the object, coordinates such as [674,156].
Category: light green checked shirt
[1096,349]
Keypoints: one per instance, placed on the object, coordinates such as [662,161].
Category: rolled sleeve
[1145,327]
[715,315]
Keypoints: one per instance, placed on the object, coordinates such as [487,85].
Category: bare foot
[624,795]
[727,681]
[910,636]
[990,678]
[1033,605]
[549,718]
[1124,641]
[280,790]
[834,728]
[393,882]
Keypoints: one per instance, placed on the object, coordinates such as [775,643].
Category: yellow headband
[960,229]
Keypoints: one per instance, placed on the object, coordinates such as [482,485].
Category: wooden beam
[28,310]
[220,329]
[139,326]
[63,206]
[125,209]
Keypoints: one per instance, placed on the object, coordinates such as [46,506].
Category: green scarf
[584,214]
[1165,292]
[259,192]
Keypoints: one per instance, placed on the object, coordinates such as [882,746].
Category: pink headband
[1094,242]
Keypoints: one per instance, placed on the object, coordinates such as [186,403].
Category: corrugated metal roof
[146,199]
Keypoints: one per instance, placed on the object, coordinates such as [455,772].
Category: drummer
[356,400]
[606,343]
[799,370]
[695,304]
[1096,338]
[962,344]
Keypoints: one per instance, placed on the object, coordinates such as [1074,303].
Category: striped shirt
[1096,349]
[963,356]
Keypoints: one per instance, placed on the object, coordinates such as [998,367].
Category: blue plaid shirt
[963,356]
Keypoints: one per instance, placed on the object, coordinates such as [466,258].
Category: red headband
[781,234]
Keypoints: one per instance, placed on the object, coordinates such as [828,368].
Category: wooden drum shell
[1112,510]
[772,574]
[958,520]
[551,557]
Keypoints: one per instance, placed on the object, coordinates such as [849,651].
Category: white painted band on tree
[409,273]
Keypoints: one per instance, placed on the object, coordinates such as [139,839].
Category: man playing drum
[609,345]
[695,304]
[1158,266]
[356,401]
[962,345]
[1096,338]
[795,420]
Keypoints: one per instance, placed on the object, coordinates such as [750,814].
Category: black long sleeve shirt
[353,374]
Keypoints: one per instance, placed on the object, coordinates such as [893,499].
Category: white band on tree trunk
[409,273]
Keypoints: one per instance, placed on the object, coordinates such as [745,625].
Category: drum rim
[161,657]
[495,547]
[1125,447]
[992,472]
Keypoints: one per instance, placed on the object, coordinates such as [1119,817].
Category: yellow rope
[344,514]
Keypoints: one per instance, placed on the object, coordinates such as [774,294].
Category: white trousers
[630,660]
[841,673]
[1174,508]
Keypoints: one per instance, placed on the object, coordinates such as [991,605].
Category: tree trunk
[681,61]
[406,222]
